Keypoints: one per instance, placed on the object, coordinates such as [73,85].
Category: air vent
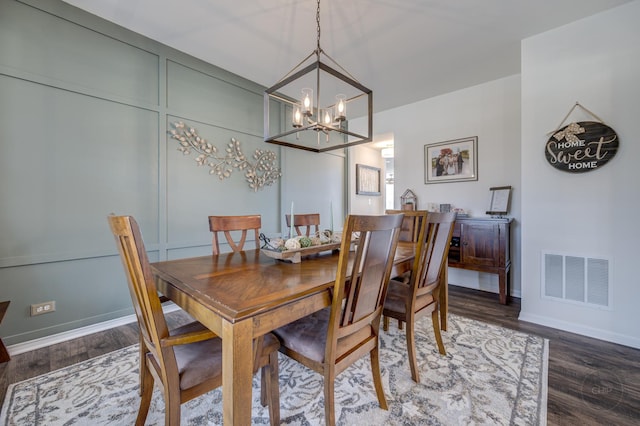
[577,279]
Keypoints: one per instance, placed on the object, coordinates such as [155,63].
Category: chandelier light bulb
[297,116]
[341,107]
[326,117]
[307,102]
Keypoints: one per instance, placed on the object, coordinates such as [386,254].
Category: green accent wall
[85,106]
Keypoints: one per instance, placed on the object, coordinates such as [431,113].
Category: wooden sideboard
[483,245]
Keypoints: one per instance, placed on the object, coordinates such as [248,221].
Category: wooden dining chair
[413,220]
[187,361]
[330,340]
[407,302]
[304,222]
[412,224]
[228,224]
[244,224]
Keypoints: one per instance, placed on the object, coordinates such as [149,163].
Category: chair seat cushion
[307,336]
[397,295]
[202,361]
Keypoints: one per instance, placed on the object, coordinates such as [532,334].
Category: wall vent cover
[577,279]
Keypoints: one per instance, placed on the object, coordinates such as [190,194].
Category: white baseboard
[605,335]
[495,290]
[42,342]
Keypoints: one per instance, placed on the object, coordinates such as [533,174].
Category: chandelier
[310,107]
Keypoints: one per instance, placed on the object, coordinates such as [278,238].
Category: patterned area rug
[490,375]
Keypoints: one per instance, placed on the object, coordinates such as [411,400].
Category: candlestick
[291,222]
[331,217]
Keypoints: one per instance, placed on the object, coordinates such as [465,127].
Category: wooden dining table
[241,296]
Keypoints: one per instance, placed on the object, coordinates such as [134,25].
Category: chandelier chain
[318,26]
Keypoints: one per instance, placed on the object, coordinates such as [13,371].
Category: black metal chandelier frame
[309,124]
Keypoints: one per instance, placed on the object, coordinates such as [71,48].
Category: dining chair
[407,302]
[412,224]
[306,221]
[245,223]
[228,224]
[330,340]
[413,220]
[186,361]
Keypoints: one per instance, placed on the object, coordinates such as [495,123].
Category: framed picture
[367,180]
[445,208]
[499,200]
[451,161]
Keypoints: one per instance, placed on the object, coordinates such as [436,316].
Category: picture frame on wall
[451,161]
[367,180]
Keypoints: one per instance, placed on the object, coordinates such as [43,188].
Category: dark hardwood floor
[591,382]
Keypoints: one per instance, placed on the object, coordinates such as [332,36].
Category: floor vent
[577,279]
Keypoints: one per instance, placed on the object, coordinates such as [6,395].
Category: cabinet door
[480,243]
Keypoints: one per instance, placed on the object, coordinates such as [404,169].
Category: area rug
[490,375]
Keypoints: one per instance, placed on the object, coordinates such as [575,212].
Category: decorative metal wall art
[264,172]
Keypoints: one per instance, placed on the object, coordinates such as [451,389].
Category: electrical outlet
[43,308]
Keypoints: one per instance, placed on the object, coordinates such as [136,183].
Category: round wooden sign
[581,147]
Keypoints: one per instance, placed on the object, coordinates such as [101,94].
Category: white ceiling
[403,50]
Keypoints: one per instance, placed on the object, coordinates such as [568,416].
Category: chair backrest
[228,224]
[411,224]
[357,303]
[432,251]
[144,294]
[309,220]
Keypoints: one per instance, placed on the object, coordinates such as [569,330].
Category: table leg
[444,298]
[237,372]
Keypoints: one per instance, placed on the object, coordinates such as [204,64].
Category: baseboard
[494,290]
[42,342]
[608,336]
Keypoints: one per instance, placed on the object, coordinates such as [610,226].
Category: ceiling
[403,50]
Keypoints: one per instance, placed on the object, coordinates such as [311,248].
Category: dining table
[241,296]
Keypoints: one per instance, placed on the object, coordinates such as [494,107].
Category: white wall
[315,183]
[490,111]
[365,204]
[595,61]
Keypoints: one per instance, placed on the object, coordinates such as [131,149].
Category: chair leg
[272,386]
[143,366]
[436,330]
[146,383]
[377,377]
[385,324]
[264,385]
[172,406]
[329,396]
[411,349]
